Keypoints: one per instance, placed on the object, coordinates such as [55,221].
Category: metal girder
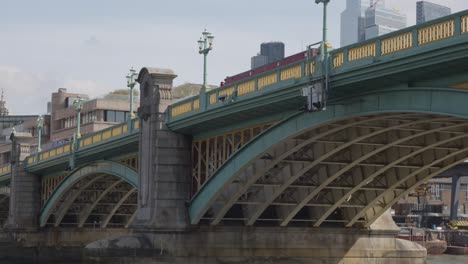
[3,198]
[296,146]
[130,219]
[62,210]
[429,102]
[116,207]
[387,167]
[101,168]
[87,211]
[404,179]
[330,179]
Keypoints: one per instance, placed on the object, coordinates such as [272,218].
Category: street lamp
[205,44]
[323,48]
[131,84]
[324,55]
[40,124]
[77,104]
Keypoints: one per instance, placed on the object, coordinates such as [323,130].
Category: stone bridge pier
[162,232]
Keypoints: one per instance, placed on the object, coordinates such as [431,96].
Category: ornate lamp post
[323,48]
[205,44]
[131,84]
[40,124]
[323,91]
[78,104]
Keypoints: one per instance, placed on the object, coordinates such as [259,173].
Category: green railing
[86,141]
[402,40]
[341,60]
[244,87]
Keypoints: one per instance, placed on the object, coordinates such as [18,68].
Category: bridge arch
[342,167]
[101,193]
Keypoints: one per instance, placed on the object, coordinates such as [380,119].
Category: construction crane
[374,4]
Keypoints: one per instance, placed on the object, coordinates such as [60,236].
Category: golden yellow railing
[5,168]
[464,24]
[267,80]
[246,87]
[291,72]
[226,91]
[85,141]
[396,43]
[182,108]
[436,32]
[196,104]
[338,59]
[106,134]
[213,98]
[97,137]
[312,67]
[359,52]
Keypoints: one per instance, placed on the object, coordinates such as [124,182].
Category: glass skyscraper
[426,11]
[380,20]
[352,22]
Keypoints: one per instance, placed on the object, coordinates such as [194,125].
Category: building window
[115,116]
[119,116]
[435,192]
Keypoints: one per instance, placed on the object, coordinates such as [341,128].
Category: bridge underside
[343,167]
[342,173]
[98,195]
[4,207]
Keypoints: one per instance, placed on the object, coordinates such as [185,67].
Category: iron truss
[98,200]
[4,205]
[344,173]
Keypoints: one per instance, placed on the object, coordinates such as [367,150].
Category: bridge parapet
[411,38]
[250,87]
[431,38]
[86,142]
[5,169]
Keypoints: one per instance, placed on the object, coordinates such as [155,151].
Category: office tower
[352,22]
[380,20]
[274,51]
[258,60]
[426,11]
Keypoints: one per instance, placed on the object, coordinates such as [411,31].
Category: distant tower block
[273,50]
[3,109]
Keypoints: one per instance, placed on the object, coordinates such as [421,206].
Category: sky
[88,46]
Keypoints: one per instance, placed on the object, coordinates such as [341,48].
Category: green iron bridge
[101,188]
[396,116]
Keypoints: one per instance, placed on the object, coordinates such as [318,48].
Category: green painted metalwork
[89,147]
[40,124]
[346,76]
[102,167]
[444,101]
[131,84]
[205,46]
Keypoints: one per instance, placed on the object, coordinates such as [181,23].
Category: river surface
[443,259]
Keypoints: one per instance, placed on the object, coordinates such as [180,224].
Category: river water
[443,259]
